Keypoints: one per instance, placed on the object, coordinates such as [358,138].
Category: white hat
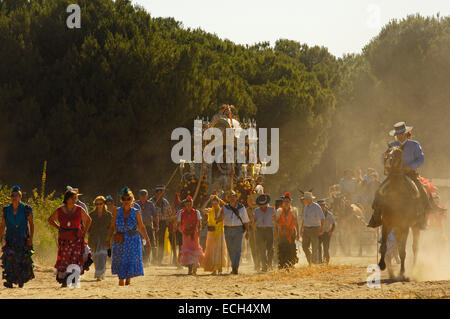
[400,128]
[308,195]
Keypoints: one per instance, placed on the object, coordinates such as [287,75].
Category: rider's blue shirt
[412,153]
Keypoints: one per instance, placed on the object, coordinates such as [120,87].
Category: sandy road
[344,278]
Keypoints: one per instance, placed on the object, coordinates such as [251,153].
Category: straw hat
[308,195]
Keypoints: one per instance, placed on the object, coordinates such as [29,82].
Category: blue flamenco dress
[127,256]
[16,259]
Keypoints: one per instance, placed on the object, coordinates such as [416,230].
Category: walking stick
[167,184]
[253,224]
[164,190]
[174,241]
[221,240]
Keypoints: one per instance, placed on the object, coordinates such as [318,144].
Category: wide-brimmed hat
[143,192]
[322,202]
[72,189]
[263,199]
[400,128]
[308,195]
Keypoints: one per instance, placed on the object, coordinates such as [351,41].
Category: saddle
[408,183]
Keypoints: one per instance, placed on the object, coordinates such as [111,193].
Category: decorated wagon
[200,180]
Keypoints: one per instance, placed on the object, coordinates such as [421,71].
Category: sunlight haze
[341,26]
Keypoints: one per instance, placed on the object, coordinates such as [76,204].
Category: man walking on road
[312,227]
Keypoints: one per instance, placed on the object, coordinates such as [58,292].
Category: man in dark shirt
[150,220]
[164,213]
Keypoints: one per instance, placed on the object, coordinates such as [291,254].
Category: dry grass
[421,295]
[315,272]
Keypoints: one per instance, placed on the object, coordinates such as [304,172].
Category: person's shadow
[384,281]
[198,275]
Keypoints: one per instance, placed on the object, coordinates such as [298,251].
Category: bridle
[393,161]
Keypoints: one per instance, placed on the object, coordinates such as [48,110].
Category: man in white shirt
[312,227]
[264,222]
[235,220]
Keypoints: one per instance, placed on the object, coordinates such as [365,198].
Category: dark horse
[401,207]
[351,223]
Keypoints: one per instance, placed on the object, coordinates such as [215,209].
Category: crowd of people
[133,234]
[359,188]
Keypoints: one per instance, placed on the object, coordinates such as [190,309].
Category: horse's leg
[385,230]
[388,260]
[415,245]
[401,235]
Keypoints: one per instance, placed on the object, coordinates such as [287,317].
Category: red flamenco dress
[437,217]
[429,186]
[191,251]
[72,248]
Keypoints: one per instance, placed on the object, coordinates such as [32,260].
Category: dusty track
[344,278]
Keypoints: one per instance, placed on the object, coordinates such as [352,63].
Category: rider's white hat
[400,128]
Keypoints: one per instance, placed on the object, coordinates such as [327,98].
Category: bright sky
[343,26]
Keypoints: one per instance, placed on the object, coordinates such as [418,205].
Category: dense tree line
[401,75]
[99,103]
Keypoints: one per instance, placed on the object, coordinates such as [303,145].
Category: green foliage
[411,60]
[45,242]
[45,239]
[402,75]
[99,103]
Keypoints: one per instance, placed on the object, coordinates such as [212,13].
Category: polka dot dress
[71,244]
[127,256]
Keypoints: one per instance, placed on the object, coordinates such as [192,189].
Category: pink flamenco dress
[191,251]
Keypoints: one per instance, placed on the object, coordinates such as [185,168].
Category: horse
[401,202]
[350,223]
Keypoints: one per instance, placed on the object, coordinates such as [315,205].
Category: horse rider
[413,158]
[348,185]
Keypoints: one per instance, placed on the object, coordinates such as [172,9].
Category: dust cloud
[433,261]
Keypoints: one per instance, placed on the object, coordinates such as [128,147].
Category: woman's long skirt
[191,251]
[287,253]
[17,264]
[72,252]
[127,257]
[100,256]
[216,250]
